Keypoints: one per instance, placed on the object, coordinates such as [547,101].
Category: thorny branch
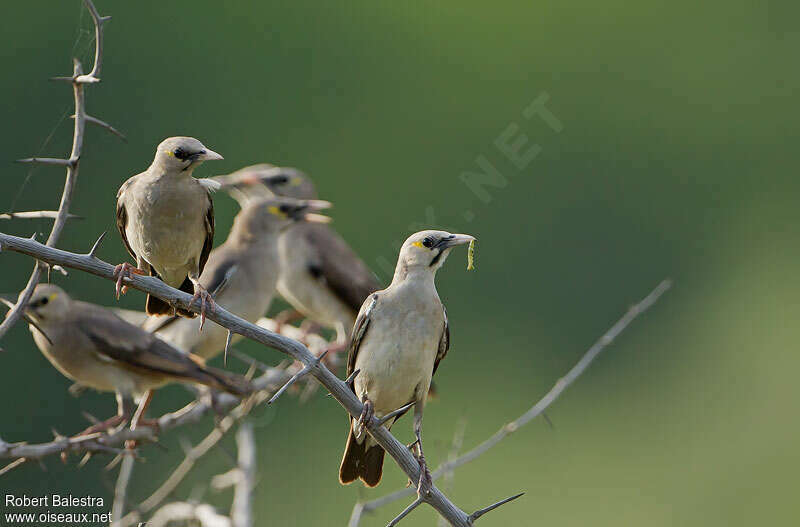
[536,410]
[338,389]
[78,79]
[242,477]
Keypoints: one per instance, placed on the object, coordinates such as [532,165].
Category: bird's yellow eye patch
[52,297]
[296,181]
[170,153]
[275,211]
[418,244]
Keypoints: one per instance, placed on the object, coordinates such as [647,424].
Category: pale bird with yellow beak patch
[400,337]
[166,219]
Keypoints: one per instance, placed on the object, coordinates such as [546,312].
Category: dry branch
[109,442]
[78,79]
[36,214]
[536,410]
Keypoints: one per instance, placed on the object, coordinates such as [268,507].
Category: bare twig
[36,214]
[77,80]
[458,441]
[121,488]
[107,442]
[340,391]
[242,509]
[537,409]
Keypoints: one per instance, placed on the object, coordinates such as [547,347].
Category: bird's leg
[308,327]
[205,297]
[125,409]
[124,270]
[425,480]
[139,419]
[367,412]
[285,317]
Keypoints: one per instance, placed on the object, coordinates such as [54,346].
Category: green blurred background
[674,161]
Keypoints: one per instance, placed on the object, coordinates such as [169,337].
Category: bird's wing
[444,342]
[122,216]
[209,243]
[339,267]
[130,346]
[360,330]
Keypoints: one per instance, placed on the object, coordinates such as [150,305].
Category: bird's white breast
[397,355]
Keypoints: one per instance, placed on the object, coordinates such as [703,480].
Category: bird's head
[273,214]
[291,183]
[47,304]
[427,250]
[263,180]
[182,154]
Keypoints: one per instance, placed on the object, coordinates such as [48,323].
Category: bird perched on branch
[400,337]
[96,349]
[166,219]
[321,276]
[242,272]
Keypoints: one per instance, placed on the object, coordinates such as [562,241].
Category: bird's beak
[457,239]
[10,301]
[309,211]
[209,155]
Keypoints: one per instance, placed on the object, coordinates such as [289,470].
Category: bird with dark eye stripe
[166,219]
[428,242]
[181,154]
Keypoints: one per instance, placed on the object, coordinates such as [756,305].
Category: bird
[321,275]
[241,274]
[399,339]
[166,219]
[95,348]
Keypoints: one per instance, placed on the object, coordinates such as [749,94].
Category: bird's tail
[224,381]
[361,461]
[156,306]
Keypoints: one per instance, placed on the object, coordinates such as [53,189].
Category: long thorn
[350,378]
[227,345]
[399,411]
[480,512]
[291,381]
[93,251]
[417,502]
[103,124]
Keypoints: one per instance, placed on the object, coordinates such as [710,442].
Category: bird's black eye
[280,180]
[284,208]
[428,242]
[181,154]
[44,301]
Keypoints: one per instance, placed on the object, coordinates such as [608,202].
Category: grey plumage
[166,219]
[95,348]
[399,338]
[241,274]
